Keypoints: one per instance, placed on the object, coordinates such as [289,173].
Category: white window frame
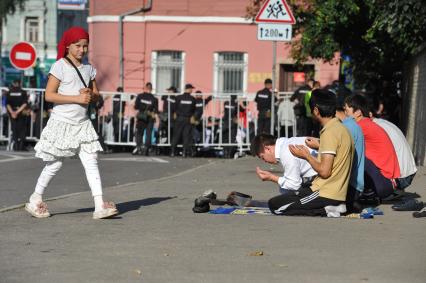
[28,30]
[154,65]
[216,70]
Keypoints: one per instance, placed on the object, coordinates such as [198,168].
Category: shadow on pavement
[124,206]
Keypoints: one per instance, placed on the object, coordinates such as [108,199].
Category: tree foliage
[378,35]
[9,7]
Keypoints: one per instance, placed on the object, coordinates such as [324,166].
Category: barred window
[32,29]
[167,70]
[230,72]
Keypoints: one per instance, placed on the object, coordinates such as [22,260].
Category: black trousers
[116,127]
[376,181]
[306,202]
[182,130]
[18,131]
[141,127]
[263,124]
[164,129]
[229,135]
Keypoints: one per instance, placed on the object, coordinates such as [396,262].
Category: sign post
[275,21]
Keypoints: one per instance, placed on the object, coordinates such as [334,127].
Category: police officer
[263,99]
[200,103]
[299,108]
[16,102]
[166,117]
[185,109]
[147,106]
[118,106]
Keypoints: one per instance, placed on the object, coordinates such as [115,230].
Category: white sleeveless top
[70,84]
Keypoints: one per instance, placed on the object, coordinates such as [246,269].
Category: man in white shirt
[297,172]
[407,164]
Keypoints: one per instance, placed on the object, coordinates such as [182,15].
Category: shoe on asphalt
[135,151]
[107,211]
[421,213]
[38,210]
[210,194]
[201,205]
[335,210]
[408,205]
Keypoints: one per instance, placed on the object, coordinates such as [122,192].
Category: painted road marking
[137,159]
[13,157]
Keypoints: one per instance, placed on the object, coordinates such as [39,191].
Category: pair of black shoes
[408,205]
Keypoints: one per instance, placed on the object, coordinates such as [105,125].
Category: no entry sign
[22,55]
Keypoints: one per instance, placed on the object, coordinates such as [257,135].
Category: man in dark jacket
[263,99]
[185,109]
[147,106]
[16,102]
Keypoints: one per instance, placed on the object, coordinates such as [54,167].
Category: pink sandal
[38,210]
[109,209]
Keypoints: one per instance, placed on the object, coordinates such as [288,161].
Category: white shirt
[407,164]
[70,84]
[295,169]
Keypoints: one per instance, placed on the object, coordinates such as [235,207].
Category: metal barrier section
[218,127]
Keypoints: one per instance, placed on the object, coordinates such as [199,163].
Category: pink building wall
[199,41]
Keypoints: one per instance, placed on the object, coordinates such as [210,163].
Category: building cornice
[176,19]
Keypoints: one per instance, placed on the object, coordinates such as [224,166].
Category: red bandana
[71,35]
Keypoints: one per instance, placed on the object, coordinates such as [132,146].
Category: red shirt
[379,149]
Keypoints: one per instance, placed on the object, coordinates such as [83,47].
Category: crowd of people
[357,158]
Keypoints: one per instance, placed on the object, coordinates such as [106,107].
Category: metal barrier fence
[116,121]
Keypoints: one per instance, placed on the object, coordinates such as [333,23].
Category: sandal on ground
[38,210]
[108,210]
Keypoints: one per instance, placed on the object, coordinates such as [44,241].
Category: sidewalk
[157,238]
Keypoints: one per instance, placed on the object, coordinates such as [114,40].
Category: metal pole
[121,59]
[274,59]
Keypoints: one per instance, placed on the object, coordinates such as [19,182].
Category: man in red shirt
[381,162]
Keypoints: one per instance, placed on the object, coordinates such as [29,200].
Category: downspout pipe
[143,9]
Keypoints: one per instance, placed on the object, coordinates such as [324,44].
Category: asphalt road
[19,173]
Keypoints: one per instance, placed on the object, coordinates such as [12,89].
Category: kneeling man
[327,194]
[297,172]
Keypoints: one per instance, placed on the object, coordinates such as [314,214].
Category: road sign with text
[274,32]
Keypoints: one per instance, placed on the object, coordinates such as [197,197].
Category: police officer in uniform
[16,102]
[147,106]
[263,99]
[200,103]
[185,109]
[299,108]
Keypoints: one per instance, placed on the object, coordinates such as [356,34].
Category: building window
[230,72]
[167,70]
[32,29]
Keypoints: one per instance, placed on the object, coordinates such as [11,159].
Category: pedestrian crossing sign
[275,11]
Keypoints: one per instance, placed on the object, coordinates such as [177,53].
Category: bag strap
[76,69]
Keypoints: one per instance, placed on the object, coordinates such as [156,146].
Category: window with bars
[32,29]
[230,72]
[167,70]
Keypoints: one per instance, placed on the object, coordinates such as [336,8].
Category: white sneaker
[335,211]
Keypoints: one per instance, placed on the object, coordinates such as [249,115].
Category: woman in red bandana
[69,131]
